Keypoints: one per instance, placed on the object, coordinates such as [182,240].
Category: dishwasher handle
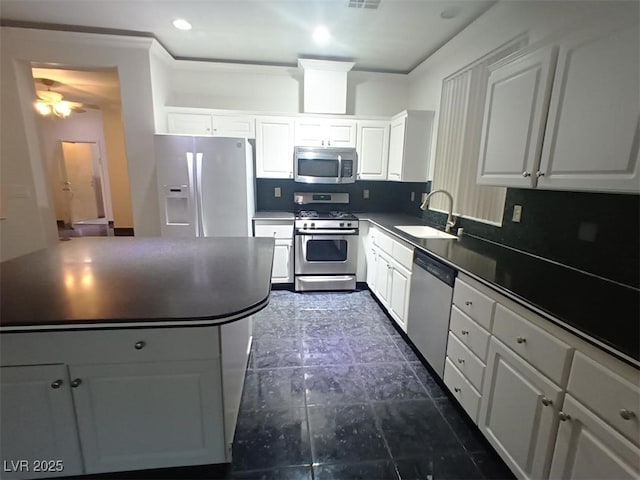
[442,272]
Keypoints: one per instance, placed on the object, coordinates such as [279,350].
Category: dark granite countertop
[134,282]
[603,312]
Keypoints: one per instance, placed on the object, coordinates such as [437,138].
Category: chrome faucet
[451,220]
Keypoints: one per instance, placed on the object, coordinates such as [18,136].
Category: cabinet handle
[56,384]
[464,332]
[526,174]
[627,414]
[329,143]
[468,303]
[456,389]
[539,174]
[521,340]
[323,143]
[545,401]
[461,361]
[290,174]
[141,344]
[76,383]
[564,417]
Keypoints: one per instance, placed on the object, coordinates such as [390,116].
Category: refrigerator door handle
[192,193]
[200,209]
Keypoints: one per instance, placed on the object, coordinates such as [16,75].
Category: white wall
[30,222]
[503,22]
[274,89]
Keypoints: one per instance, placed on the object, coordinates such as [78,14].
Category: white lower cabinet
[518,412]
[282,232]
[148,415]
[588,448]
[38,422]
[399,295]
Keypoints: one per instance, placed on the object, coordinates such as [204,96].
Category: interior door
[80,184]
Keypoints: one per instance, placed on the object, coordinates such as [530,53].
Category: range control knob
[349,224]
[304,225]
[313,225]
[342,224]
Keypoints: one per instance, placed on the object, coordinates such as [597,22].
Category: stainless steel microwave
[325,165]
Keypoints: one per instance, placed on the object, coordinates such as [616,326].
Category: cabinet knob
[329,142]
[526,174]
[56,384]
[464,332]
[468,303]
[141,344]
[545,401]
[290,174]
[627,414]
[456,389]
[539,174]
[521,340]
[76,383]
[461,361]
[564,417]
[323,143]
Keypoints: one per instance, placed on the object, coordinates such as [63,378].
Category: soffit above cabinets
[394,37]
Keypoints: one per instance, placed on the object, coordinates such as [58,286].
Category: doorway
[82,190]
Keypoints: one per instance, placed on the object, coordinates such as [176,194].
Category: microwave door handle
[339,168]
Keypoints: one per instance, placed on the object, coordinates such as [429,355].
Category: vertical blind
[458,142]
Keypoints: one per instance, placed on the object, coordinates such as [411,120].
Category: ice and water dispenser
[176,204]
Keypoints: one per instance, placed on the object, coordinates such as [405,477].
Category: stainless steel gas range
[326,242]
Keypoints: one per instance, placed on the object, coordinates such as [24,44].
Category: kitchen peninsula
[128,353]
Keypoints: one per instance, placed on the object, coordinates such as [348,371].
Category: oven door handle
[326,232]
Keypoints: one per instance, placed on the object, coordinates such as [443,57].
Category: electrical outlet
[365,194]
[517,213]
[277,192]
[413,196]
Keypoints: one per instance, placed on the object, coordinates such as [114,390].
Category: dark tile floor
[333,391]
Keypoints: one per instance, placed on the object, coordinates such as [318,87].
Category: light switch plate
[517,213]
[277,192]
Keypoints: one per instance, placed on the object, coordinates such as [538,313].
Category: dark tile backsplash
[383,196]
[595,232]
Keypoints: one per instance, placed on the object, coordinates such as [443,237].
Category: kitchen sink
[422,231]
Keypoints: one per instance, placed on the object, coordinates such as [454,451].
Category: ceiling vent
[373,4]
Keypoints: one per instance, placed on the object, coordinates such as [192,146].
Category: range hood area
[325,85]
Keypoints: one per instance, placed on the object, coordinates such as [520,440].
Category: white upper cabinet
[569,123]
[325,132]
[373,149]
[242,126]
[514,117]
[274,147]
[591,139]
[409,146]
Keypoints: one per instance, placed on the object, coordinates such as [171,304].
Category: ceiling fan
[53,103]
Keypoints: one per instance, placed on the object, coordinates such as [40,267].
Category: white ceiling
[395,37]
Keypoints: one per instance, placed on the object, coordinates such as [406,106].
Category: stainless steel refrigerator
[206,186]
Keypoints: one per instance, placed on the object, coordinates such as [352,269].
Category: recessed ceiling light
[181,24]
[321,35]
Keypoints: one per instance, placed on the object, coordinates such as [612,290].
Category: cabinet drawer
[466,361]
[274,231]
[468,397]
[469,333]
[403,255]
[474,303]
[607,394]
[111,346]
[542,350]
[384,242]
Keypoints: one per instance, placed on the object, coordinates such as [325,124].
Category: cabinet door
[513,416]
[372,260]
[588,448]
[274,147]
[38,422]
[340,133]
[383,275]
[591,138]
[310,132]
[190,123]
[399,296]
[281,272]
[373,150]
[233,126]
[396,148]
[515,114]
[149,415]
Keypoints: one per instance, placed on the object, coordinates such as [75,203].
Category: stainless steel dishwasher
[430,307]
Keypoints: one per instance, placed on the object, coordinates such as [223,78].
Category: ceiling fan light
[62,109]
[43,108]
